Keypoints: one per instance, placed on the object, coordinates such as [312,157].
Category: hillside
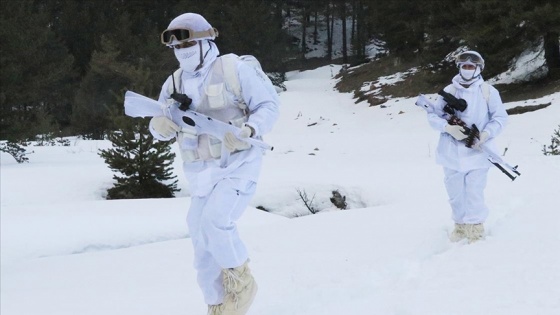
[70,251]
[407,79]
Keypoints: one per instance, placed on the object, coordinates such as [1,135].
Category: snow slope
[66,250]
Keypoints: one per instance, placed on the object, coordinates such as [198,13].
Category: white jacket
[487,116]
[263,105]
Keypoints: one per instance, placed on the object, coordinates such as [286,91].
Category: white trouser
[211,221]
[466,195]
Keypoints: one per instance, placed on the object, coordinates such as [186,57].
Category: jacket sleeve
[435,118]
[163,96]
[261,98]
[497,114]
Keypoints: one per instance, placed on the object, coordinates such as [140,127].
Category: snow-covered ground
[66,250]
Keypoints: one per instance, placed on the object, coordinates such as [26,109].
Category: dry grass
[524,91]
[423,81]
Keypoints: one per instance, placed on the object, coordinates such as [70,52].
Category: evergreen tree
[538,22]
[250,27]
[554,147]
[487,30]
[359,29]
[443,27]
[112,69]
[500,30]
[15,150]
[125,62]
[36,69]
[401,24]
[96,96]
[142,164]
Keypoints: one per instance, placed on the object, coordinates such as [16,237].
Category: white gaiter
[469,75]
[189,58]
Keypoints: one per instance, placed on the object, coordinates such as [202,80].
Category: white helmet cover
[195,23]
[470,57]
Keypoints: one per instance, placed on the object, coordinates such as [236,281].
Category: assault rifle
[472,133]
[452,105]
[137,105]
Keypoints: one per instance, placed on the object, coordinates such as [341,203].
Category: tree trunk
[344,39]
[552,54]
[278,13]
[315,32]
[329,30]
[353,29]
[303,32]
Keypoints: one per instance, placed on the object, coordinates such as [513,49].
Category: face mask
[469,75]
[189,58]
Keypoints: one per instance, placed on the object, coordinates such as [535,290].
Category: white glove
[233,143]
[456,131]
[164,126]
[481,139]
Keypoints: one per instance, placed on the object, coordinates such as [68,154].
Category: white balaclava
[189,58]
[192,58]
[469,75]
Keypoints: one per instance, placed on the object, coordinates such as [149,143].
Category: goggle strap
[213,32]
[208,33]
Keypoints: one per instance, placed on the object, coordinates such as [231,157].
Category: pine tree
[250,27]
[142,164]
[35,69]
[401,24]
[554,147]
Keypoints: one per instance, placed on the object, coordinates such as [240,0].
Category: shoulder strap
[229,66]
[176,82]
[485,91]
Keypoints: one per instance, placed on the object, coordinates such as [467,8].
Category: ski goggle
[466,57]
[185,34]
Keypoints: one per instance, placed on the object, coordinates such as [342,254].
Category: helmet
[470,57]
[188,27]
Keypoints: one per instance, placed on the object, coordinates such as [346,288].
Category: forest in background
[65,64]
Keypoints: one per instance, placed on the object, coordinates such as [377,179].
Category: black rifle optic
[454,104]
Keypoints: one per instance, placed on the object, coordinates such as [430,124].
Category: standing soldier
[245,98]
[466,168]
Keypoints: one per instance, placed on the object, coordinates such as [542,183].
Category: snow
[67,250]
[530,65]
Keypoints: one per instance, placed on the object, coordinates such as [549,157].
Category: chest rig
[217,102]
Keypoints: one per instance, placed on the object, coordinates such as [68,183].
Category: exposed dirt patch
[524,91]
[525,109]
[423,81]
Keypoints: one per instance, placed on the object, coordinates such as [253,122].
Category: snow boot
[240,288]
[458,233]
[215,309]
[475,232]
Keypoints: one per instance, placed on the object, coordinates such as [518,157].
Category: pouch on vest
[208,147]
[216,96]
[188,143]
